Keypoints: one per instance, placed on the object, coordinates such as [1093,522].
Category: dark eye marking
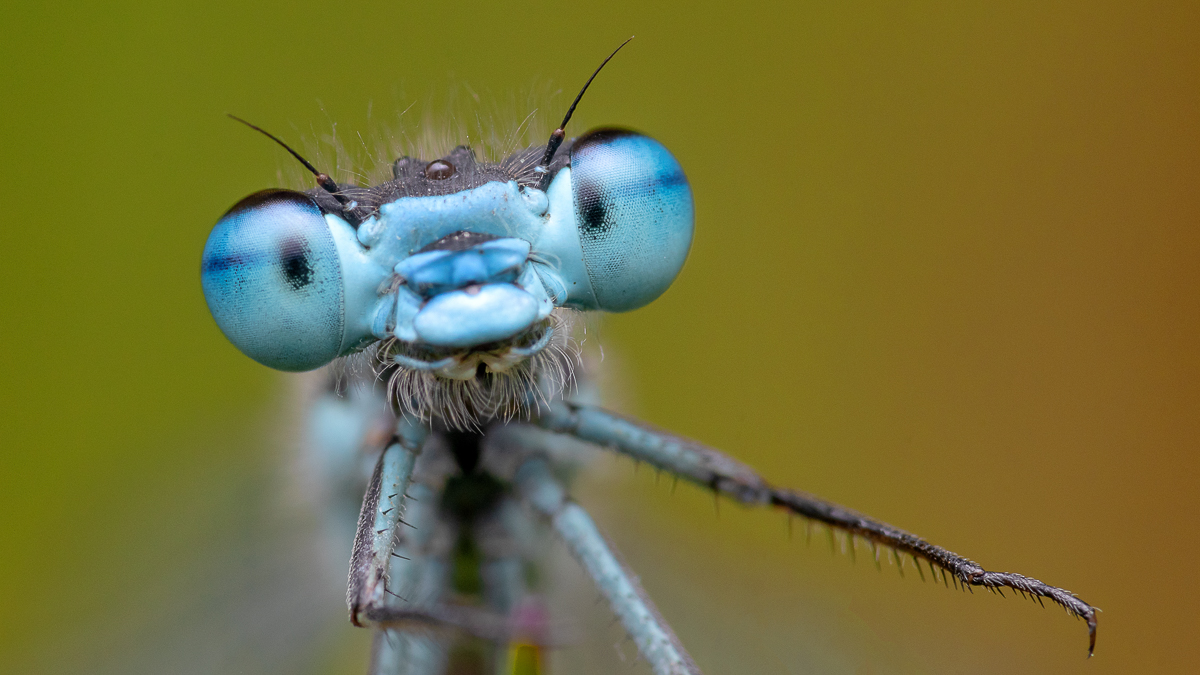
[595,200]
[294,260]
[221,263]
[593,209]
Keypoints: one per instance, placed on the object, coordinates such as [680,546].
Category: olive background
[945,272]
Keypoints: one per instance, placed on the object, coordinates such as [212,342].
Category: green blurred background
[946,271]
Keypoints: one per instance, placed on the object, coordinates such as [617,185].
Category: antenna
[323,178]
[559,134]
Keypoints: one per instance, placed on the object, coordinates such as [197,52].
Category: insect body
[457,281]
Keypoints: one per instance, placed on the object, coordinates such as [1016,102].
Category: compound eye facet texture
[273,281]
[633,207]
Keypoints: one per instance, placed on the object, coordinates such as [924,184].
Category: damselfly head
[456,275]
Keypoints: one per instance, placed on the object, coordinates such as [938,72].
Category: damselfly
[454,287]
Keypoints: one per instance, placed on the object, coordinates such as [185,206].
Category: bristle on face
[490,395]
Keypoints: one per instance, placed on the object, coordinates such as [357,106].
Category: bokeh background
[946,271]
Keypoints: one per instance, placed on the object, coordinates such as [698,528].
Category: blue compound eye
[633,207]
[273,281]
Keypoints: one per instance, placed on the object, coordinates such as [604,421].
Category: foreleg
[716,471]
[379,522]
[392,555]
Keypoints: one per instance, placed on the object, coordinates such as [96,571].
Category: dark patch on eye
[265,199]
[221,263]
[670,180]
[601,136]
[592,206]
[294,260]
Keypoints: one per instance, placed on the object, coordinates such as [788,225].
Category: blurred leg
[654,638]
[510,543]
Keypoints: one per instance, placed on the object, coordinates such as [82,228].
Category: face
[455,276]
